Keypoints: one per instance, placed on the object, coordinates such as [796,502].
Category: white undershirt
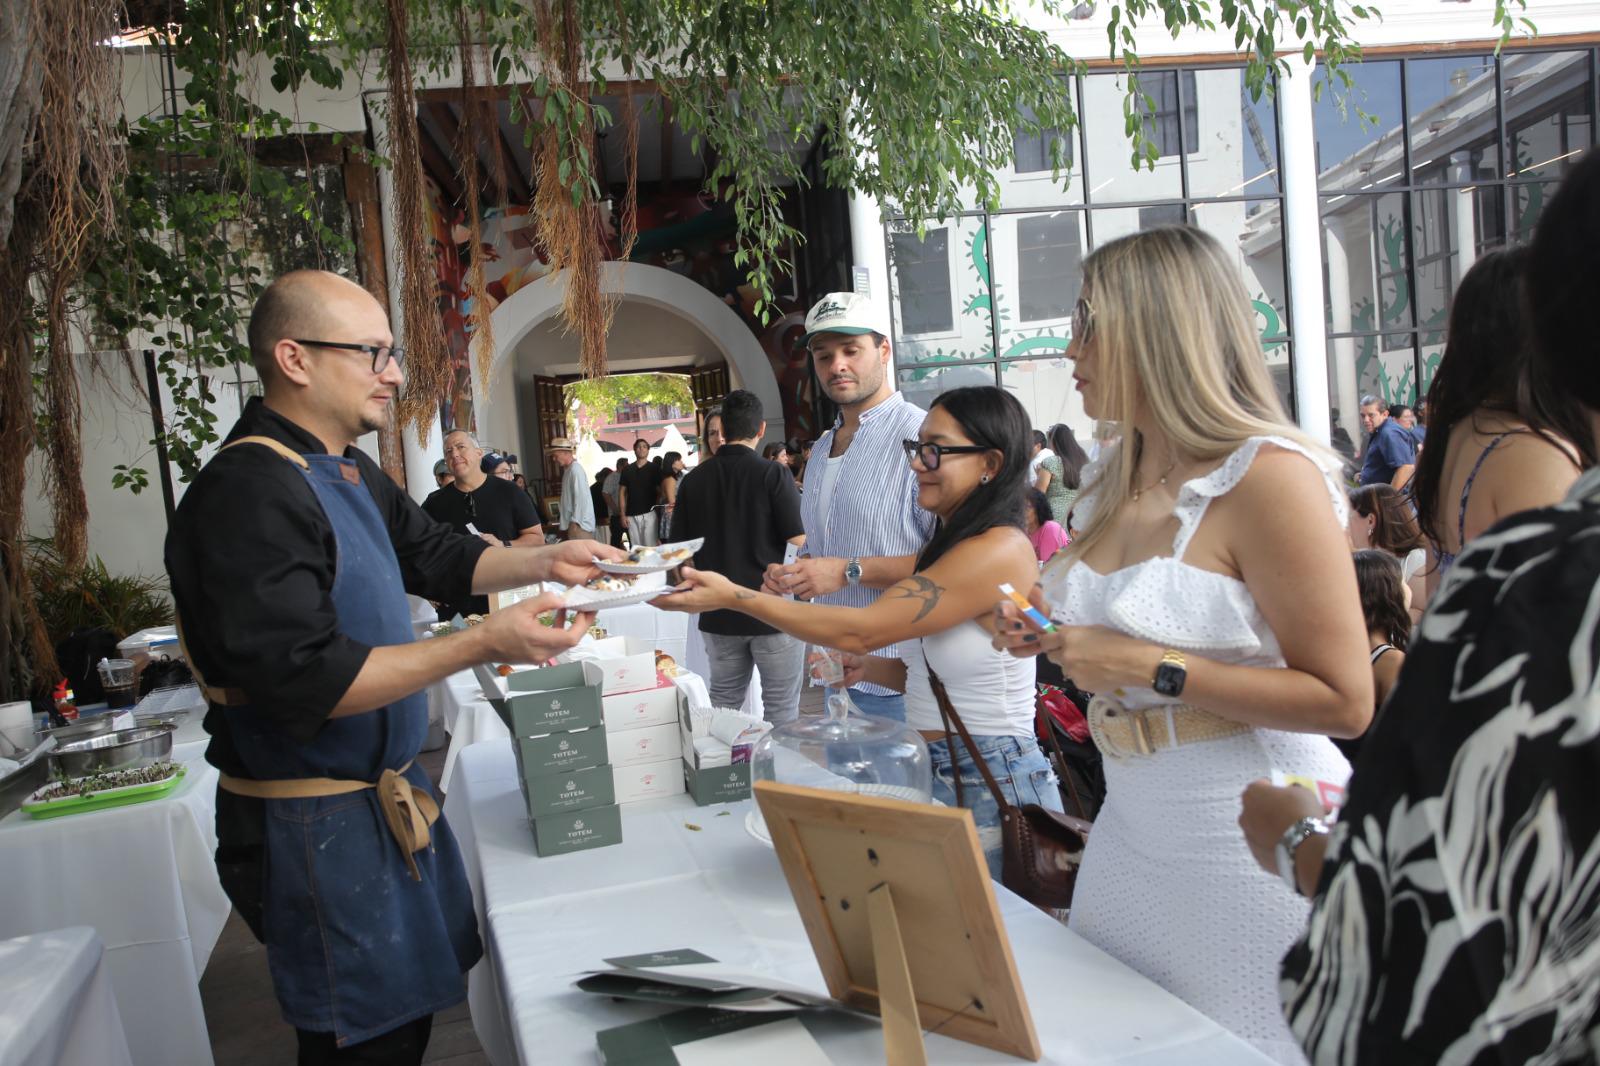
[830,477]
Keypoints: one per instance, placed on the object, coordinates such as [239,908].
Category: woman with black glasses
[971,462]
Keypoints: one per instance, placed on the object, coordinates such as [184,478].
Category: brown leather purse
[1041,849]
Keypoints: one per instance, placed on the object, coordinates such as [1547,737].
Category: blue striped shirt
[873,507]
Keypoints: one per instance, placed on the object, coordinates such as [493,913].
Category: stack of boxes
[590,735]
[640,713]
[556,718]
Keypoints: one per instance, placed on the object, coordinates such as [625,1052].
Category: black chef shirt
[496,507]
[641,483]
[250,556]
[746,508]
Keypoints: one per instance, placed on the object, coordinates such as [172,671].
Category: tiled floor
[242,1014]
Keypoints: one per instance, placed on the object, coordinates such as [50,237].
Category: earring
[984,480]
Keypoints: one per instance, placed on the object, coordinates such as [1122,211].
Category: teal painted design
[1030,345]
[978,252]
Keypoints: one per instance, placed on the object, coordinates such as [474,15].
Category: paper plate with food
[652,559]
[614,590]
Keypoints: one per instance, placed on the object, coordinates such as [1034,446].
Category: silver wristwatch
[852,571]
[1290,843]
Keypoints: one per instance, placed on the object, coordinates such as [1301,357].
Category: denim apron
[356,946]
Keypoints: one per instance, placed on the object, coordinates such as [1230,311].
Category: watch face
[1169,679]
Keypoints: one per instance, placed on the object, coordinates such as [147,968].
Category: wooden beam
[437,164]
[518,186]
[361,193]
[447,121]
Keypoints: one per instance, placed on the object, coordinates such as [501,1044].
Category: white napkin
[694,690]
[732,727]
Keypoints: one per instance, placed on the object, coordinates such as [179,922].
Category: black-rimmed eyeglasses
[930,453]
[381,353]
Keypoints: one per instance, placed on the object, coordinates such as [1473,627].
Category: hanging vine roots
[428,372]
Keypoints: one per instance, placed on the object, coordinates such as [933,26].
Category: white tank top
[991,690]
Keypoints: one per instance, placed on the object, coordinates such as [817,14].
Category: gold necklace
[1162,480]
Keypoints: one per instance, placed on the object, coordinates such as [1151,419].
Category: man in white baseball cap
[577,506]
[863,526]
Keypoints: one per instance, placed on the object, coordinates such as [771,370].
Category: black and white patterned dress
[1458,915]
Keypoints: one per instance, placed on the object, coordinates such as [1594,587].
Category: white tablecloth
[56,1007]
[144,878]
[467,717]
[717,890]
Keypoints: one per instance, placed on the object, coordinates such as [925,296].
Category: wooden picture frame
[898,905]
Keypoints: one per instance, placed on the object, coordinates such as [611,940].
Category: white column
[420,454]
[867,250]
[1302,240]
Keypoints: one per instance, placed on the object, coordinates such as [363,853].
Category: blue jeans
[1021,770]
[890,706]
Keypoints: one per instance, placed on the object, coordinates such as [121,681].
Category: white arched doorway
[495,394]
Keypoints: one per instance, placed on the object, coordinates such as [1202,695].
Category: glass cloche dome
[846,751]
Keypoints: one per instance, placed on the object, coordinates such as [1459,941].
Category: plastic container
[844,751]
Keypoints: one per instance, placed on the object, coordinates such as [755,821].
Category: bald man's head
[301,303]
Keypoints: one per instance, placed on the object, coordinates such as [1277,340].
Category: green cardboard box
[718,784]
[558,834]
[574,791]
[552,697]
[561,752]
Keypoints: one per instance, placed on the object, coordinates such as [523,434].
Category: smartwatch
[1290,843]
[1171,674]
[852,571]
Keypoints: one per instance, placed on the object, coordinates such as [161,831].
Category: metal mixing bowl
[81,730]
[119,750]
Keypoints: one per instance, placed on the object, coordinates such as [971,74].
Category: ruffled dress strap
[1196,495]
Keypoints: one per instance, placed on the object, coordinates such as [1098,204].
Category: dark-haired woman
[1380,517]
[1061,471]
[1046,533]
[1501,439]
[971,461]
[671,471]
[1386,605]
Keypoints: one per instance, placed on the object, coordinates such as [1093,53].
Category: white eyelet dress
[1168,884]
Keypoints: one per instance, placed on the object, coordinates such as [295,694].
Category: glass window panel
[1364,254]
[1038,272]
[1358,130]
[1453,119]
[1356,368]
[921,384]
[1161,103]
[1033,151]
[1528,201]
[1548,118]
[1112,175]
[1237,151]
[1049,254]
[939,289]
[1031,183]
[1044,388]
[1252,233]
[922,267]
[1438,233]
[1280,364]
[1162,215]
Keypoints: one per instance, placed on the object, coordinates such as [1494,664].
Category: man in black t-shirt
[637,490]
[748,510]
[474,502]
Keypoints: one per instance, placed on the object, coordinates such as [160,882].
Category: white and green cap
[844,312]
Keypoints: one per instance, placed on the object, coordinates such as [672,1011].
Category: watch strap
[1289,844]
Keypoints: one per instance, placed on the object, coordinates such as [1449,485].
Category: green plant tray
[99,801]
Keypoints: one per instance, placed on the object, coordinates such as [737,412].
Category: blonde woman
[1208,597]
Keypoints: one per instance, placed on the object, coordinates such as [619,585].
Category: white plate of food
[614,591]
[652,559]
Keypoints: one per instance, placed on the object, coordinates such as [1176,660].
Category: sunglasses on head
[930,453]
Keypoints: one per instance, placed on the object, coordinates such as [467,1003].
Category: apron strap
[282,449]
[233,697]
[407,809]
